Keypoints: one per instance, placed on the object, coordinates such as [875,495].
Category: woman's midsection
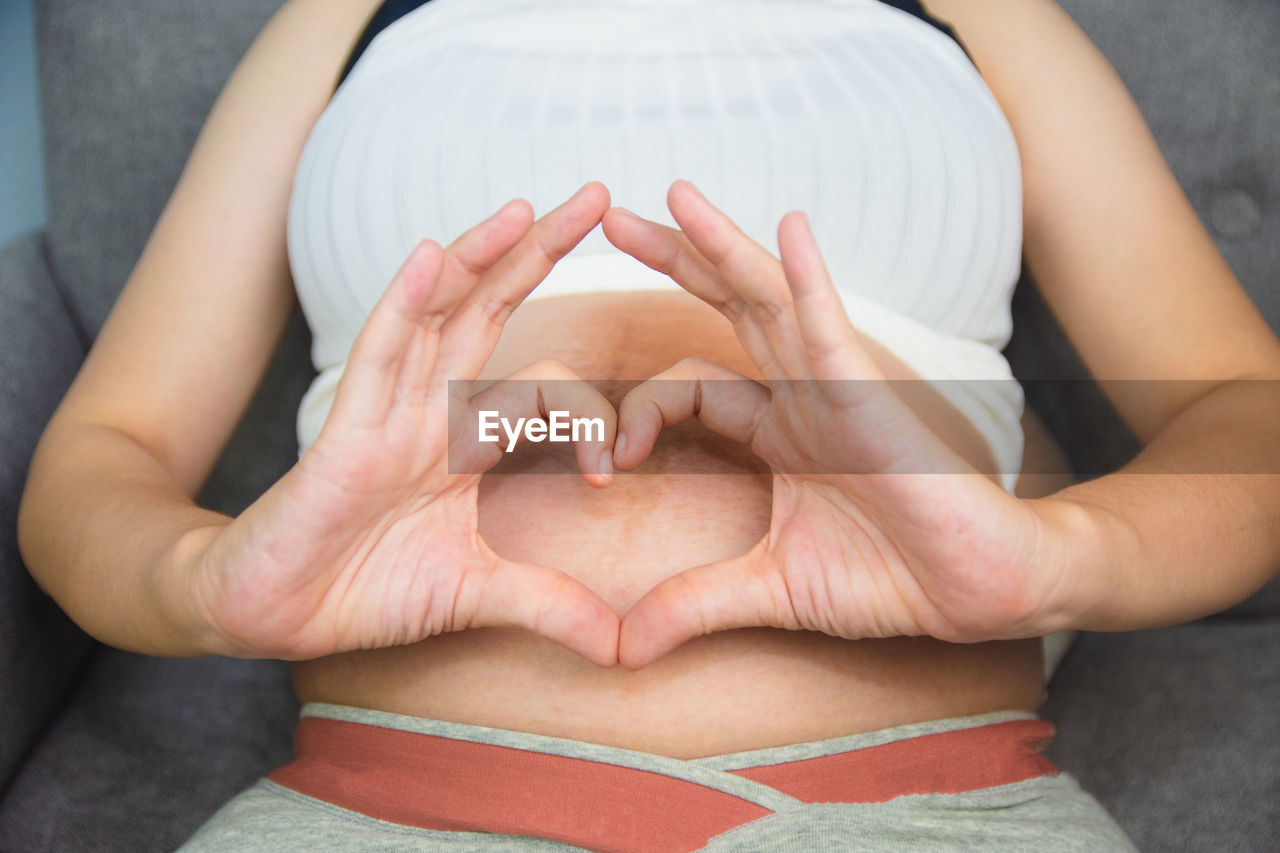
[697,499]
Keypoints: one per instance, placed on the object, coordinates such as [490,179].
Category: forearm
[108,534]
[1187,528]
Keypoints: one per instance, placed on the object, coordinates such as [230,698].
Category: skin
[370,540]
[858,545]
[109,528]
[695,496]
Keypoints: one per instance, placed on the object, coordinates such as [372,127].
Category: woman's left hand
[878,528]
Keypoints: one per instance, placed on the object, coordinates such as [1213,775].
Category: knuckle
[774,307]
[669,260]
[734,308]
[552,368]
[461,264]
[685,367]
[494,310]
[431,321]
[552,252]
[697,365]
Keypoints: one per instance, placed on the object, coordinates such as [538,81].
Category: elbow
[34,522]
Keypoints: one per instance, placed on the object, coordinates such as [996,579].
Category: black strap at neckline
[390,11]
[913,7]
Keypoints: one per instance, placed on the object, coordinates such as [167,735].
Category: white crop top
[873,122]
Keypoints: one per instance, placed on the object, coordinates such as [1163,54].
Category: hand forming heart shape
[865,539]
[370,541]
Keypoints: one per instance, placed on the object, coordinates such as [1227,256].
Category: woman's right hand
[370,540]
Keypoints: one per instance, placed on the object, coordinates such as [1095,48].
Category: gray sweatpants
[1045,814]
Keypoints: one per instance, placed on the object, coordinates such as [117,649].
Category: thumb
[549,603]
[744,592]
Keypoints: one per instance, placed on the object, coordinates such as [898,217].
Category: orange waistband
[444,783]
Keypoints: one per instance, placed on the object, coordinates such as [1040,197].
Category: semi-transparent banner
[904,426]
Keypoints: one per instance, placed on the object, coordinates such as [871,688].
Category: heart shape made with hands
[860,543]
[372,539]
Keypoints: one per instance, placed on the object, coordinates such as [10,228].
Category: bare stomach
[697,499]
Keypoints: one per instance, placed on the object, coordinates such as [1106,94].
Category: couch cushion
[41,651]
[147,750]
[1174,731]
[125,86]
[1205,77]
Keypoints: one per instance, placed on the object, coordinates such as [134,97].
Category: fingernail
[625,212]
[620,445]
[605,464]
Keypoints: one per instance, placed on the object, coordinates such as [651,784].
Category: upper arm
[188,339]
[1110,238]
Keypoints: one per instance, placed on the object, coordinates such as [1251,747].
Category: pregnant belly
[697,499]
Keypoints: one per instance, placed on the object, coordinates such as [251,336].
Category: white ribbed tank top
[867,118]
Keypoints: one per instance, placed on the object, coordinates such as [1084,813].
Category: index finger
[470,335]
[668,251]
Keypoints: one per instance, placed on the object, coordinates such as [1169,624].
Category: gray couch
[1174,730]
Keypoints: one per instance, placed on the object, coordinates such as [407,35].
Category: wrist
[1082,546]
[185,590]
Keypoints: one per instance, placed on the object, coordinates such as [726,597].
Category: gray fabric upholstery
[1204,74]
[125,86]
[147,749]
[41,651]
[1207,81]
[1171,729]
[1174,731]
